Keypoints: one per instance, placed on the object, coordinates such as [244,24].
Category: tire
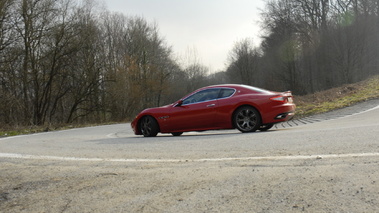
[149,126]
[247,119]
[266,127]
[177,133]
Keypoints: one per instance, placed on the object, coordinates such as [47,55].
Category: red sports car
[225,106]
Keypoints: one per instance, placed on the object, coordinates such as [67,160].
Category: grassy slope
[306,105]
[337,98]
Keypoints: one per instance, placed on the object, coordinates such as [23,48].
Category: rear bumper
[285,115]
[279,114]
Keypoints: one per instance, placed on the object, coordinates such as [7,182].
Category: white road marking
[364,111]
[296,157]
[112,135]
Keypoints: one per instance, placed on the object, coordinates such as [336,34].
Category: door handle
[211,105]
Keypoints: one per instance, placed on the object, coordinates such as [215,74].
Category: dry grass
[337,98]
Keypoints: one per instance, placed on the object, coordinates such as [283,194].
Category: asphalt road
[327,163]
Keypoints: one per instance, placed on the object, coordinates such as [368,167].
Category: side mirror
[180,103]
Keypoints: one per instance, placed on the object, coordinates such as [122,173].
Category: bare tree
[244,60]
[86,67]
[313,45]
[42,47]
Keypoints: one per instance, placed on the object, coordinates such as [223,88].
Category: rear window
[225,93]
[256,89]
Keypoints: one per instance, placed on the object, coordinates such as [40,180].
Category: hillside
[337,98]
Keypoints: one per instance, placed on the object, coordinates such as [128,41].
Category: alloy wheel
[149,127]
[247,119]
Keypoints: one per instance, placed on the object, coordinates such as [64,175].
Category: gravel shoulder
[315,185]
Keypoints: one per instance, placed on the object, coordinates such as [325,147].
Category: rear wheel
[266,127]
[247,119]
[149,126]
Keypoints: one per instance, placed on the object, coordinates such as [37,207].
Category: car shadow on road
[124,138]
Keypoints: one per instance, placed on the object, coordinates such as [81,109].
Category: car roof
[237,86]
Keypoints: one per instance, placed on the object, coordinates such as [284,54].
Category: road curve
[329,164]
[331,136]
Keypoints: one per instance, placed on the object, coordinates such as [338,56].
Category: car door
[223,109]
[197,112]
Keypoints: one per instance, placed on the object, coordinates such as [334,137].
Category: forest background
[63,62]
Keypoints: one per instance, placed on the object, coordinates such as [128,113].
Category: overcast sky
[208,27]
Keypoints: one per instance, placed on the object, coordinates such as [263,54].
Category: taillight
[279,98]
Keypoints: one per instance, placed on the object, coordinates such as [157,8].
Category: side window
[225,93]
[201,96]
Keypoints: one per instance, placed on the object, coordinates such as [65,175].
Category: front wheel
[149,126]
[247,119]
